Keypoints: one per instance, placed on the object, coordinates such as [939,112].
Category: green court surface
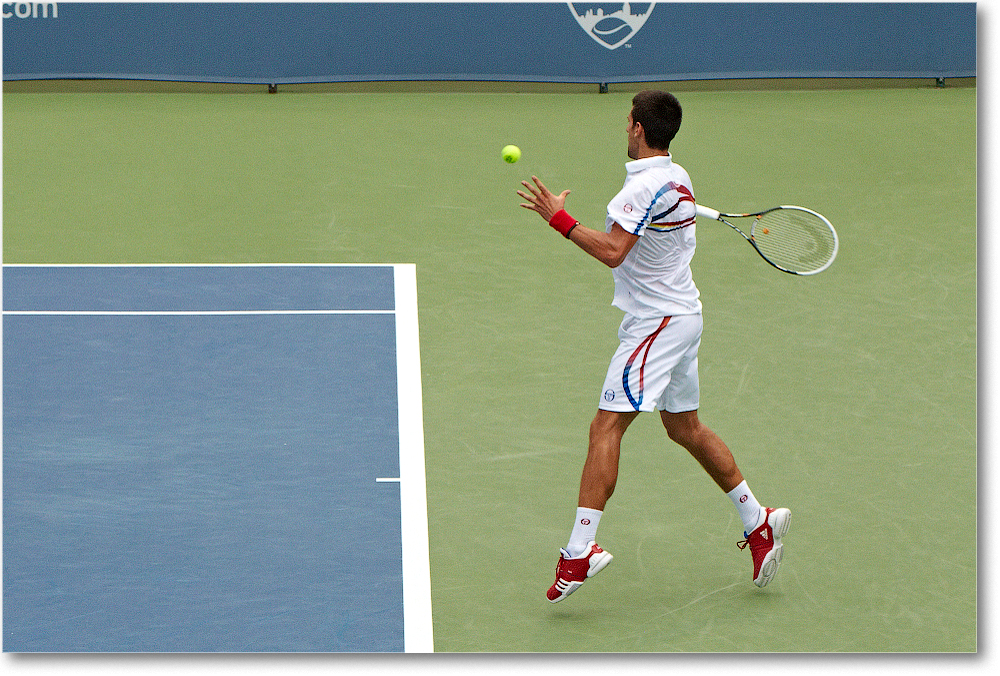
[849,397]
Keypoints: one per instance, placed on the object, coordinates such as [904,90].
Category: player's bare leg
[764,526]
[705,446]
[582,558]
[600,471]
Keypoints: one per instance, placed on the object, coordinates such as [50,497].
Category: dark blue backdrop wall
[551,42]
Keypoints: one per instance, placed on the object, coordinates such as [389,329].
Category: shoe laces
[755,541]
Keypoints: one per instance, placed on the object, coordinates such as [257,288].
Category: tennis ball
[510,154]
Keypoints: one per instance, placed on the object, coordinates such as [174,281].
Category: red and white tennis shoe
[765,544]
[572,573]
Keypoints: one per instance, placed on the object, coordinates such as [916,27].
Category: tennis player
[648,242]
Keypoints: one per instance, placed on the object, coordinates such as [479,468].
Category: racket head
[795,239]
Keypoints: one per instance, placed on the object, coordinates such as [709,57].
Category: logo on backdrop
[611,24]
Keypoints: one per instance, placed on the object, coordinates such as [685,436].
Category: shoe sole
[598,562]
[769,568]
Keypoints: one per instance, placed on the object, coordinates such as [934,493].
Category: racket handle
[707,212]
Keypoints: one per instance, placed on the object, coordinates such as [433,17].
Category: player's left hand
[541,199]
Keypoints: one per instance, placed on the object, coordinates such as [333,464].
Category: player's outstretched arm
[610,248]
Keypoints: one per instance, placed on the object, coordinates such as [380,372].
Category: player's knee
[609,425]
[684,430]
[599,429]
[681,435]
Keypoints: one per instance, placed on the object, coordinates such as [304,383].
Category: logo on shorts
[609,395]
[585,522]
[611,29]
[627,208]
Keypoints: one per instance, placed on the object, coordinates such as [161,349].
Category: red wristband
[563,223]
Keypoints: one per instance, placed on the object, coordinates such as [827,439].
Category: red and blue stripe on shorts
[647,342]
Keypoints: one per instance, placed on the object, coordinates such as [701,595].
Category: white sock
[747,506]
[584,530]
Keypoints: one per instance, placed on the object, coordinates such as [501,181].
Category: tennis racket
[793,239]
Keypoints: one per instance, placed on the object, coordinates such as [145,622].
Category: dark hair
[659,113]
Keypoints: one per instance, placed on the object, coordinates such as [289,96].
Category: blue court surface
[213,459]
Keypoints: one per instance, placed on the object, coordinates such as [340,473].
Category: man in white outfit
[648,242]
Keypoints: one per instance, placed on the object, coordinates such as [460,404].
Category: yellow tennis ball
[510,154]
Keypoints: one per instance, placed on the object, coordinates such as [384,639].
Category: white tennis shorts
[655,366]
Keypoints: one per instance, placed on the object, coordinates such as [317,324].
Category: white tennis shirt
[656,203]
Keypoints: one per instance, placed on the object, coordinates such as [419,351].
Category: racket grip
[707,212]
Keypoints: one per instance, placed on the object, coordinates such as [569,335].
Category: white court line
[418,626]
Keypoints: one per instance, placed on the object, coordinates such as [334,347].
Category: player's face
[633,140]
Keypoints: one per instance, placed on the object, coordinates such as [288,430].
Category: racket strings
[796,240]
